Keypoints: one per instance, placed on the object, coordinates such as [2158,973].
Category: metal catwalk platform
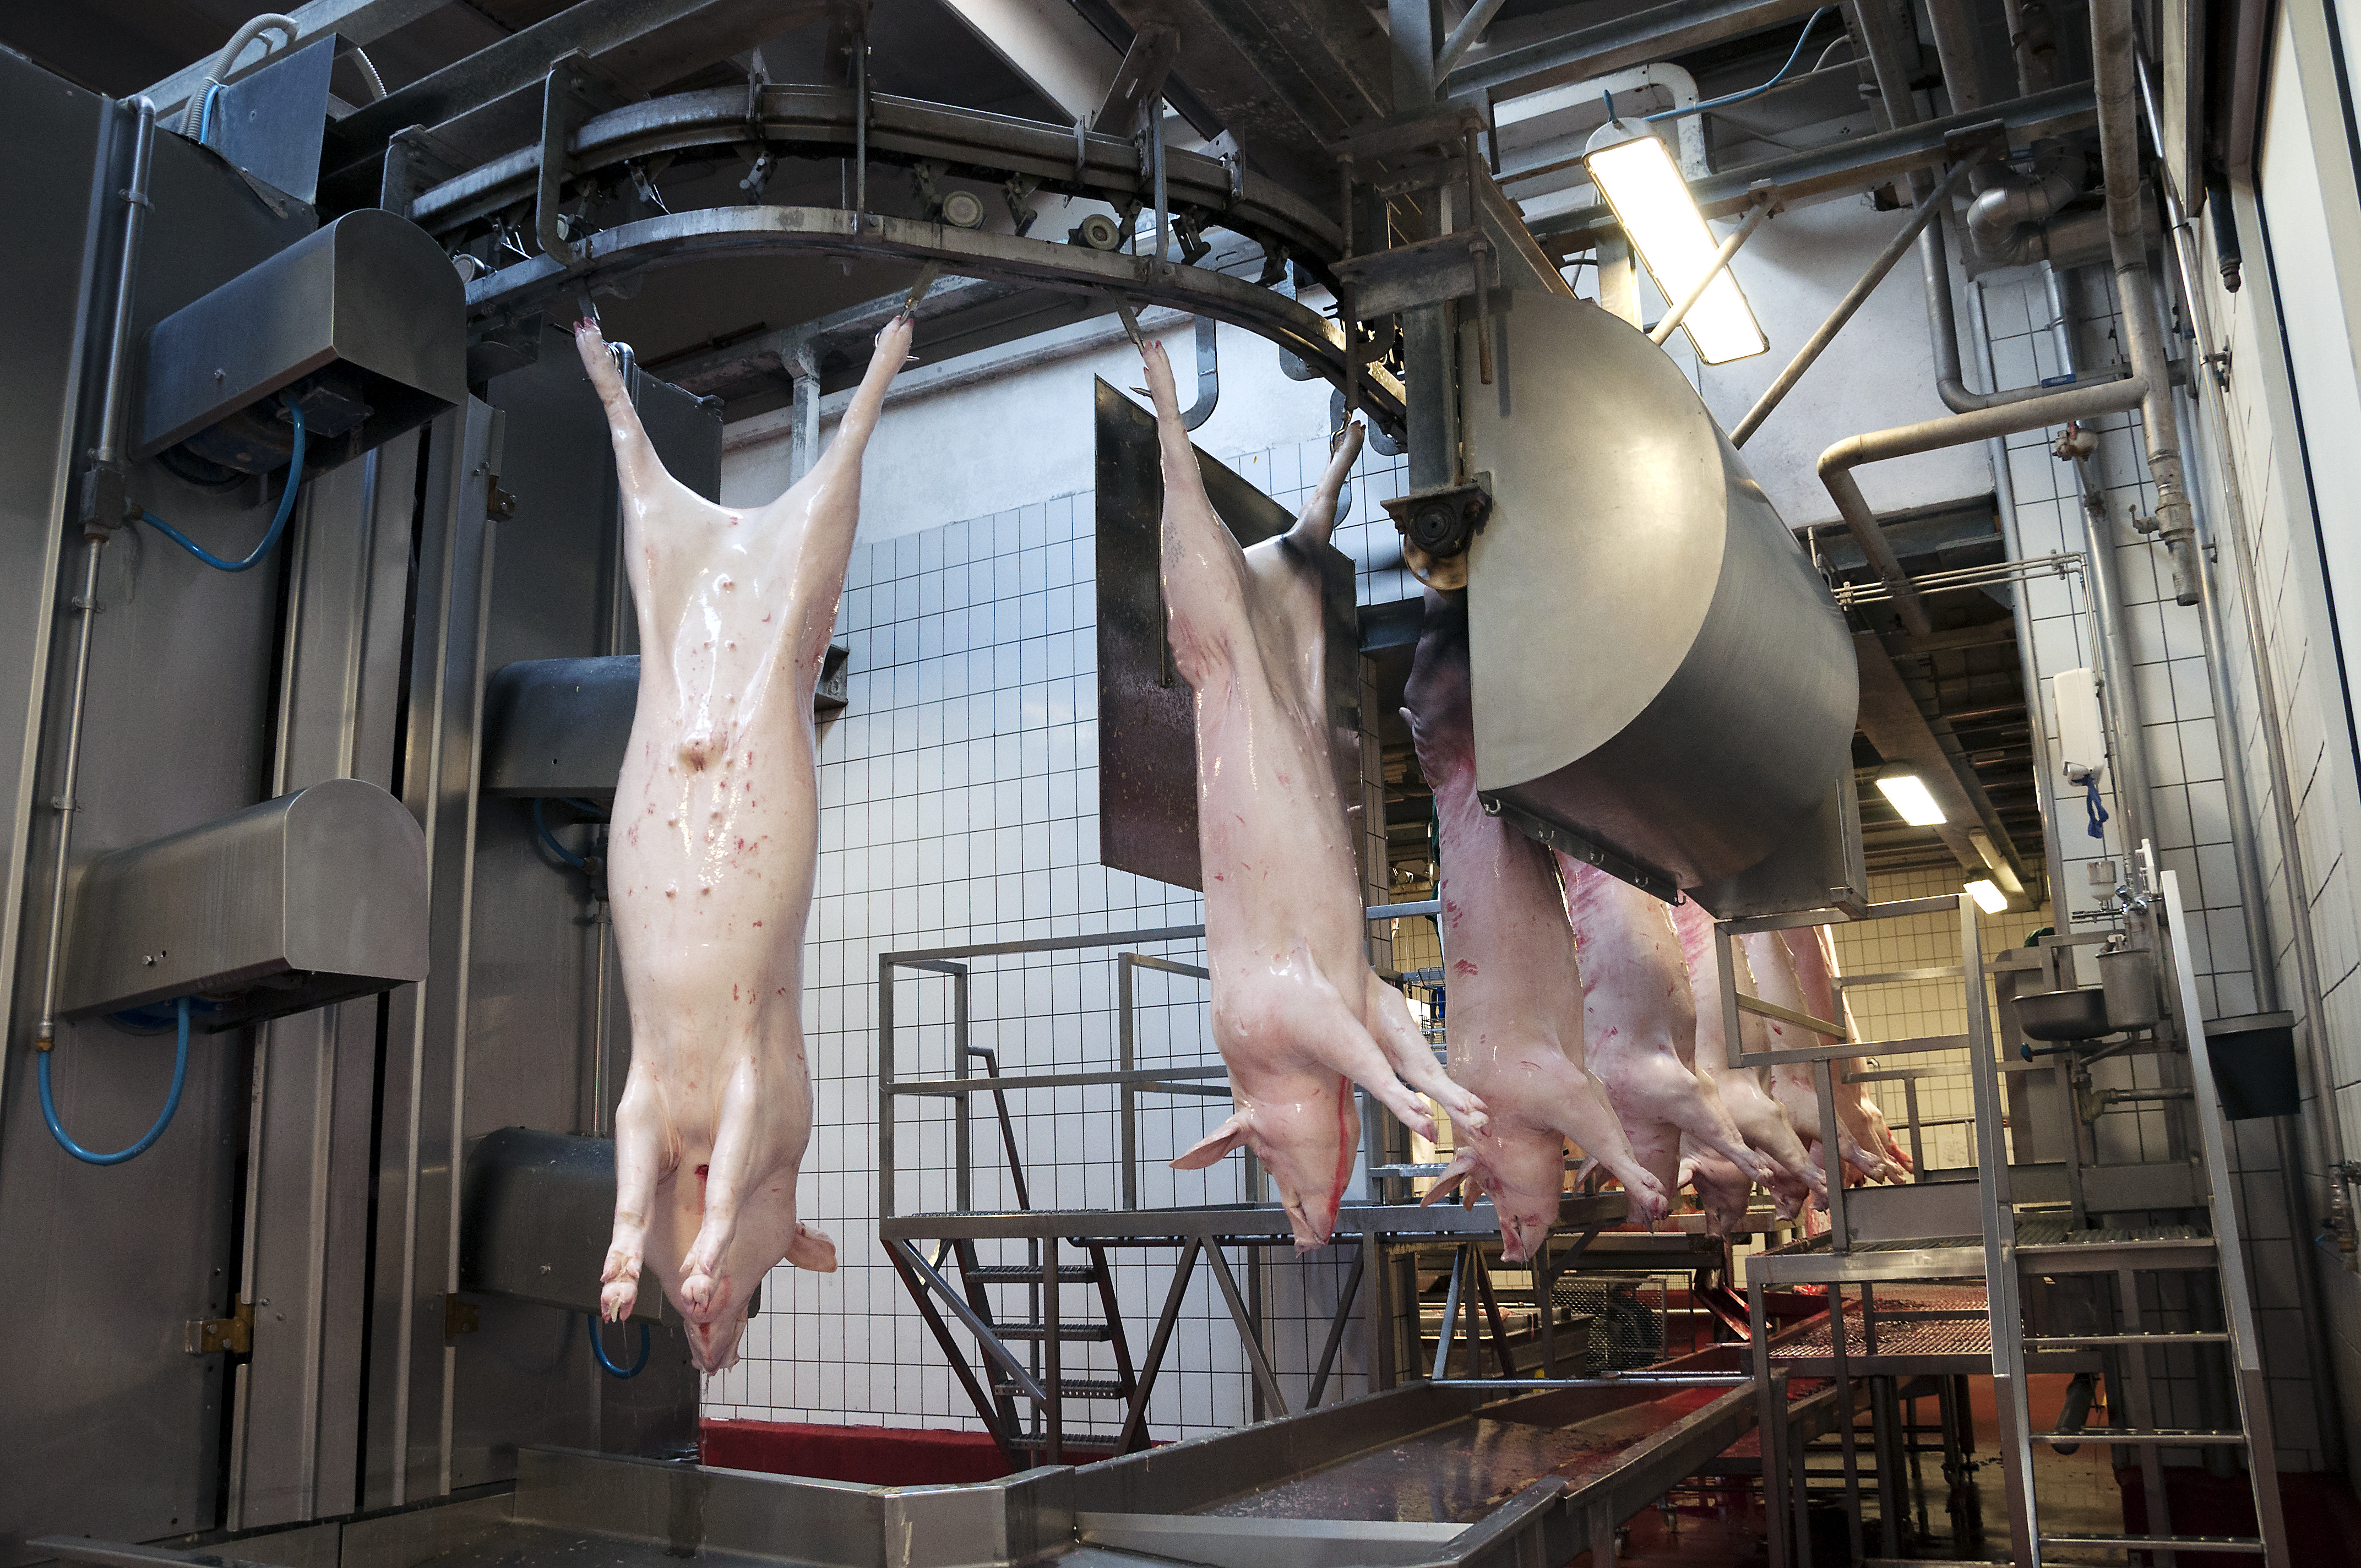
[2055,1287]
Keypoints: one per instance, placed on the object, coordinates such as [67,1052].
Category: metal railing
[1207,1079]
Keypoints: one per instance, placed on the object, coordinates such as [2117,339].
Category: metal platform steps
[2025,1252]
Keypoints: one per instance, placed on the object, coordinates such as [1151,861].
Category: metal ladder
[2011,1253]
[1043,1326]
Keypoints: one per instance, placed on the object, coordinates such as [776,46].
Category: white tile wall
[2189,807]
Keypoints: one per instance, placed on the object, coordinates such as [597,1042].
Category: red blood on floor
[876,1456]
[2323,1517]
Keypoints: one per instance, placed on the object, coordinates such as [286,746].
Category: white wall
[973,450]
[1878,372]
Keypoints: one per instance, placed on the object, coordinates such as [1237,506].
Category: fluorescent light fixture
[1988,896]
[1911,797]
[1661,219]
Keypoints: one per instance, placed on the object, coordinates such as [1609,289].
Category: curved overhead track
[822,122]
[674,238]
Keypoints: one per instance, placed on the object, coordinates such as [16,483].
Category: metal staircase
[2029,1242]
[1039,1376]
[2013,1250]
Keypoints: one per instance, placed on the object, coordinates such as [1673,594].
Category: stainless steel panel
[369,305]
[559,726]
[314,897]
[1147,727]
[295,1434]
[416,1268]
[124,1441]
[1818,866]
[269,123]
[538,1209]
[1657,665]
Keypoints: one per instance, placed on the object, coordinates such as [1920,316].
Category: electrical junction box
[2081,729]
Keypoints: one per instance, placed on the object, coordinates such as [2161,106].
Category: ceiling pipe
[1955,49]
[2147,387]
[2116,87]
[1673,81]
[2033,40]
[2007,219]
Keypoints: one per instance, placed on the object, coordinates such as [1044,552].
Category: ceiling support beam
[1896,723]
[1656,34]
[1843,167]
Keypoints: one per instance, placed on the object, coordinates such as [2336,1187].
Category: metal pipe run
[101,514]
[1838,462]
[1679,313]
[1943,328]
[2128,753]
[2114,81]
[1854,297]
[2147,387]
[135,225]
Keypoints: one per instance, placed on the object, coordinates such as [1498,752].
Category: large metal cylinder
[1657,667]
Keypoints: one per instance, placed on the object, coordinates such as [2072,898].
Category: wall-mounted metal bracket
[1437,525]
[212,1336]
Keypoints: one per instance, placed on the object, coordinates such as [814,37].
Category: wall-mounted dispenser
[314,897]
[365,323]
[2082,727]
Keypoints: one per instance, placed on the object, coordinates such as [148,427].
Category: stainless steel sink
[2064,1015]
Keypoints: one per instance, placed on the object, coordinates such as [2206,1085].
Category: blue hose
[278,523]
[205,115]
[541,825]
[1740,97]
[171,1103]
[600,1350]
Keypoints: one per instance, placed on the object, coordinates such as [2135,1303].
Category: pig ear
[812,1250]
[1230,1134]
[1462,1165]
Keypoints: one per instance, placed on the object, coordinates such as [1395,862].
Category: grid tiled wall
[1915,1009]
[959,796]
[2275,529]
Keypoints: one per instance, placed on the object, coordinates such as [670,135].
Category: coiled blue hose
[278,522]
[600,1350]
[171,1103]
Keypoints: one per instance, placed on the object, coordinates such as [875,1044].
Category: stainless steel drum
[1657,667]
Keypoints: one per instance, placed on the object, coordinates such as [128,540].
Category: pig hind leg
[1397,1036]
[1311,1015]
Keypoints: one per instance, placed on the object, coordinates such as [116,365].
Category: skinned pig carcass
[1515,1019]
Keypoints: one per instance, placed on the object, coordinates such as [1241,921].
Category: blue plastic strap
[2098,811]
[171,1103]
[599,1349]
